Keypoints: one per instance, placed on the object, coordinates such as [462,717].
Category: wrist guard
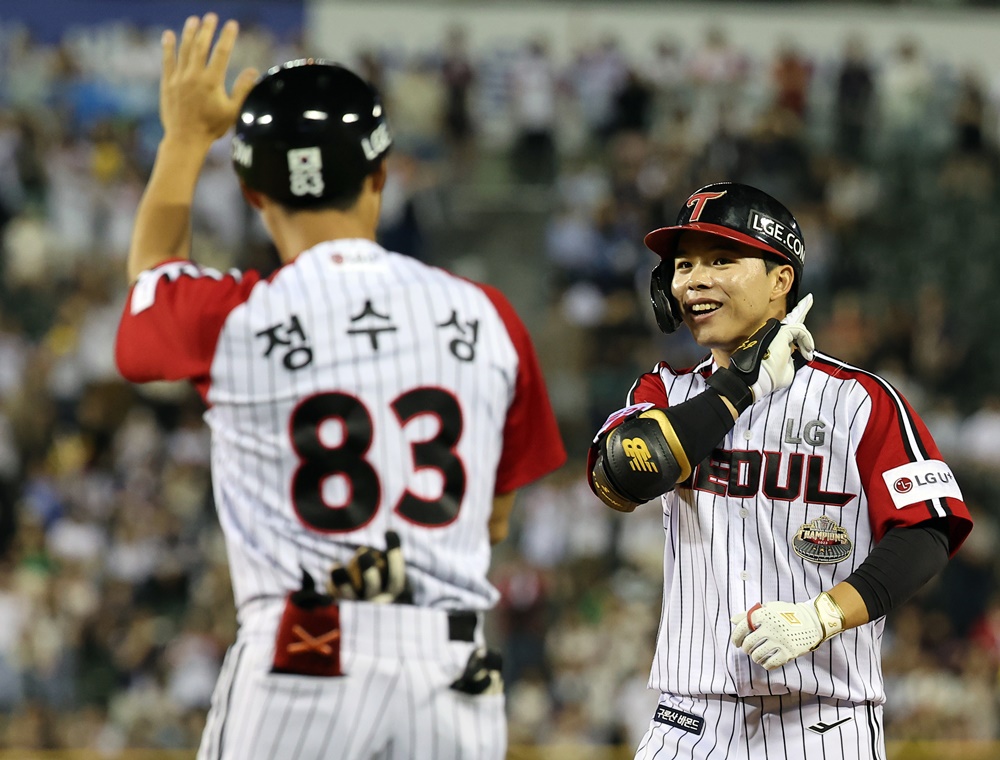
[831,616]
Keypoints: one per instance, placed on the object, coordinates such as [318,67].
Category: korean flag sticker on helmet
[305,171]
[916,482]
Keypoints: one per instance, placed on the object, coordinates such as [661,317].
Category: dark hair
[343,200]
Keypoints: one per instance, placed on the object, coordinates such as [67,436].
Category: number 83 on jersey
[336,488]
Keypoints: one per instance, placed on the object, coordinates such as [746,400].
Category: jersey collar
[347,251]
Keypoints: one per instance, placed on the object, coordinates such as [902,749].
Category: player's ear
[379,176]
[782,278]
[252,197]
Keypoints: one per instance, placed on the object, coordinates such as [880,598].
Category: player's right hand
[775,633]
[194,105]
[373,575]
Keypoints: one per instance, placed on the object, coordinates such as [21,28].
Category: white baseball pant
[392,703]
[747,728]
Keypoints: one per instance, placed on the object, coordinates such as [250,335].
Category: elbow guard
[636,462]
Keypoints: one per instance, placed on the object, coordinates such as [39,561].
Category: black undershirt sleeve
[902,562]
[700,423]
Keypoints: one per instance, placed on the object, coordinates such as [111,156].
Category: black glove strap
[746,359]
[701,423]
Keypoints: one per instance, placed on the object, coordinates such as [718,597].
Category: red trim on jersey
[649,388]
[895,436]
[532,445]
[174,338]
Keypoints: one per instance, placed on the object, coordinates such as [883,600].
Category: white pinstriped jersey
[354,391]
[788,505]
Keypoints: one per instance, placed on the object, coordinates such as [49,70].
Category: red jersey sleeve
[902,471]
[172,320]
[532,445]
[649,389]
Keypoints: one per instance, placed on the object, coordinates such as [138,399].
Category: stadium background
[536,143]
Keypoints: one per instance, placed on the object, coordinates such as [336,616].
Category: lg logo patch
[917,482]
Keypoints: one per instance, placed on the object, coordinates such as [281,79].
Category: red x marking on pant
[310,643]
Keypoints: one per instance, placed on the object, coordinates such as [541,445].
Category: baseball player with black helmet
[372,418]
[802,499]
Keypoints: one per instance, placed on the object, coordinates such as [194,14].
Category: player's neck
[721,357]
[298,232]
[328,225]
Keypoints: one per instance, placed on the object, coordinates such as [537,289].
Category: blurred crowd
[114,589]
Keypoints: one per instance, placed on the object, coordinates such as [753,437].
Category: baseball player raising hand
[371,419]
[802,500]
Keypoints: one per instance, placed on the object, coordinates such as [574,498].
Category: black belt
[462,625]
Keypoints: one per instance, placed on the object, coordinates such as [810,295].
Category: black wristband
[731,386]
[700,423]
[902,562]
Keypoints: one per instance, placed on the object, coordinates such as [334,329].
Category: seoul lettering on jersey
[743,473]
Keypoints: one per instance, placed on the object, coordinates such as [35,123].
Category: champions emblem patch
[822,541]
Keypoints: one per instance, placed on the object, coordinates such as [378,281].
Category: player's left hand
[776,368]
[194,105]
[775,633]
[373,575]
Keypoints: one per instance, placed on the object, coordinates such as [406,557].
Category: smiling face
[725,290]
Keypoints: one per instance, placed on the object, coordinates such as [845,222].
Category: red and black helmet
[734,211]
[308,134]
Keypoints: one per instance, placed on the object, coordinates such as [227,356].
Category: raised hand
[796,317]
[194,104]
[763,362]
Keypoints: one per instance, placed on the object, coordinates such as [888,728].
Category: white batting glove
[776,368]
[797,316]
[775,633]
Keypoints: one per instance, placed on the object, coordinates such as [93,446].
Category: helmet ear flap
[665,307]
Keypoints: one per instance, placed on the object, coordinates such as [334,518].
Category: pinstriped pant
[392,703]
[750,728]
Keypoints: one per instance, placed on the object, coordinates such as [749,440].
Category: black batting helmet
[308,134]
[734,211]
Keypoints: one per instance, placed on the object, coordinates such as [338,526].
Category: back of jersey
[358,391]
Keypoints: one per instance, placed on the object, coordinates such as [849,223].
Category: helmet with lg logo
[308,134]
[734,211]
